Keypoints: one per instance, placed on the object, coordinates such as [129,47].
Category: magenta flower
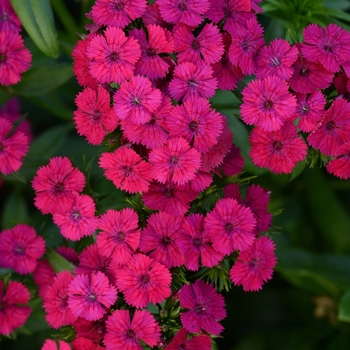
[180,341]
[13,147]
[113,56]
[55,301]
[159,239]
[123,333]
[8,18]
[204,308]
[254,266]
[196,245]
[79,220]
[56,185]
[176,161]
[120,235]
[328,46]
[170,198]
[53,345]
[340,166]
[126,169]
[267,103]
[207,45]
[276,59]
[158,41]
[117,13]
[21,248]
[43,276]
[143,281]
[81,343]
[94,330]
[196,122]
[230,226]
[14,310]
[94,116]
[90,295]
[333,130]
[232,163]
[278,150]
[14,57]
[183,11]
[191,79]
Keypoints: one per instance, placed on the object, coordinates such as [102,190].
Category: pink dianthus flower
[180,341]
[8,18]
[267,103]
[254,266]
[143,281]
[204,307]
[340,166]
[278,150]
[113,56]
[55,345]
[125,334]
[90,295]
[14,310]
[81,343]
[21,248]
[127,170]
[230,226]
[176,161]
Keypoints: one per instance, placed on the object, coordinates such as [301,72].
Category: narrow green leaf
[37,19]
[344,308]
[42,79]
[298,170]
[58,262]
[338,14]
[15,211]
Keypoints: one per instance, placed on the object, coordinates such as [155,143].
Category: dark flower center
[229,227]
[127,170]
[275,61]
[182,5]
[119,5]
[191,82]
[330,126]
[145,279]
[305,109]
[277,145]
[166,240]
[268,104]
[328,48]
[195,44]
[75,215]
[246,46]
[198,242]
[194,125]
[151,52]
[92,297]
[19,250]
[174,160]
[4,17]
[200,309]
[96,115]
[58,188]
[304,71]
[136,100]
[3,57]
[120,236]
[130,333]
[114,56]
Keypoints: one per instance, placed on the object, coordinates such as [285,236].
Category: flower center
[200,309]
[96,115]
[330,126]
[3,57]
[58,188]
[195,44]
[136,100]
[127,170]
[194,125]
[268,104]
[19,250]
[275,61]
[197,242]
[304,71]
[229,227]
[119,5]
[277,145]
[145,279]
[130,333]
[75,215]
[328,48]
[166,240]
[120,236]
[92,297]
[182,5]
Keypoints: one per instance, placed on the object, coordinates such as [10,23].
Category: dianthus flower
[230,226]
[170,198]
[207,45]
[309,76]
[196,244]
[81,63]
[340,166]
[278,150]
[191,79]
[333,130]
[234,13]
[153,133]
[202,181]
[196,122]
[328,46]
[113,56]
[126,169]
[143,281]
[90,295]
[224,71]
[254,266]
[152,16]
[8,18]
[94,116]
[159,239]
[94,330]
[232,163]
[257,199]
[14,57]
[176,161]
[21,248]
[159,41]
[43,276]
[136,100]
[117,13]
[120,235]
[267,103]
[81,343]
[123,333]
[181,341]
[183,11]
[56,185]
[13,311]
[276,59]
[55,345]
[310,109]
[79,220]
[56,301]
[245,45]
[12,148]
[205,308]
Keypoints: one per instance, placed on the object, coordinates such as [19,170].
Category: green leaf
[42,79]
[37,19]
[58,262]
[338,14]
[15,211]
[298,170]
[344,308]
